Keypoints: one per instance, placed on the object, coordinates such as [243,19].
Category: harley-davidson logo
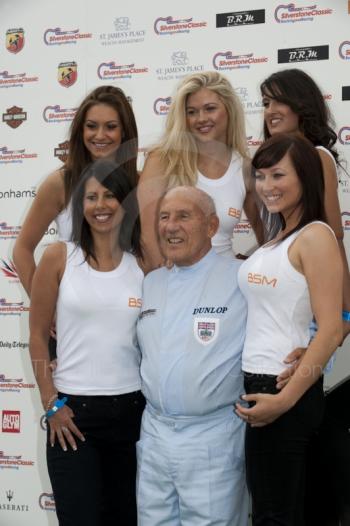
[14,116]
[62,151]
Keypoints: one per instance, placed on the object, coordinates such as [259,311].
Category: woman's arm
[250,203]
[151,186]
[316,253]
[334,220]
[47,204]
[45,286]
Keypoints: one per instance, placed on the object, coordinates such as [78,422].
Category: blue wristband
[57,405]
[346,316]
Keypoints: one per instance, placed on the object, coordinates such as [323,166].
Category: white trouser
[191,470]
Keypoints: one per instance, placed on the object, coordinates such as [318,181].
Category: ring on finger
[64,429]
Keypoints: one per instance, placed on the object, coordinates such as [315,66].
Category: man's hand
[293,360]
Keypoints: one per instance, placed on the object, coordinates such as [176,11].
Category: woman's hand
[293,360]
[62,426]
[267,408]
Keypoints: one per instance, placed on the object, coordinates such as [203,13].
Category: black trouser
[276,455]
[95,485]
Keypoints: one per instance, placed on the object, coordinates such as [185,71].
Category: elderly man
[191,333]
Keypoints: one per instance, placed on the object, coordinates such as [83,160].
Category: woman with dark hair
[103,127]
[293,103]
[296,275]
[92,400]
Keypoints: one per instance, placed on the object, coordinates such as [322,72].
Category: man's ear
[213,225]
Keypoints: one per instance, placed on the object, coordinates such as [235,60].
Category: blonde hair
[177,149]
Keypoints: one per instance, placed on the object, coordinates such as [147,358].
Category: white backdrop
[145,49]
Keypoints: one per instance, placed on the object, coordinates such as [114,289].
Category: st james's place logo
[344,50]
[240,18]
[14,461]
[47,502]
[15,40]
[113,71]
[226,60]
[124,33]
[180,65]
[15,80]
[57,36]
[251,105]
[290,13]
[168,26]
[15,156]
[11,421]
[11,503]
[54,114]
[344,135]
[161,105]
[67,74]
[14,116]
[303,54]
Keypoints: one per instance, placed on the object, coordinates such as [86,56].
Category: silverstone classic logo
[111,70]
[57,114]
[47,502]
[346,220]
[8,232]
[15,156]
[57,36]
[161,105]
[13,461]
[14,40]
[15,80]
[11,308]
[226,60]
[168,26]
[344,135]
[291,13]
[344,50]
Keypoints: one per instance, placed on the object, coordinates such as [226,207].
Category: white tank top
[229,194]
[64,223]
[97,350]
[279,309]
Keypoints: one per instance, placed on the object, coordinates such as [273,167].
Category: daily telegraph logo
[15,80]
[250,105]
[11,421]
[13,462]
[123,33]
[168,26]
[14,116]
[12,505]
[57,37]
[15,156]
[67,74]
[53,114]
[13,384]
[14,40]
[8,231]
[11,308]
[240,18]
[344,135]
[113,71]
[5,344]
[61,152]
[291,13]
[180,65]
[346,220]
[303,54]
[47,502]
[225,60]
[344,50]
[161,106]
[8,269]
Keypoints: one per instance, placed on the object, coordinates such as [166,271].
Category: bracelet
[57,405]
[346,316]
[51,399]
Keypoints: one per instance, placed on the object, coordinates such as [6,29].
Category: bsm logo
[260,279]
[11,421]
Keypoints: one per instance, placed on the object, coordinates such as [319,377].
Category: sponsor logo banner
[14,117]
[18,194]
[161,105]
[168,26]
[346,220]
[240,18]
[250,105]
[180,65]
[303,54]
[226,60]
[345,93]
[11,308]
[61,152]
[8,269]
[57,37]
[13,384]
[15,344]
[290,13]
[47,502]
[11,421]
[112,71]
[15,80]
[344,50]
[123,34]
[15,156]
[14,40]
[12,505]
[57,114]
[67,74]
[344,135]
[14,461]
[8,231]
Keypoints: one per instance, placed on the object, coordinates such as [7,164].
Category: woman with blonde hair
[203,145]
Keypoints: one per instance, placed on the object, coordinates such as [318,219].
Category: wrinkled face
[206,116]
[279,188]
[102,210]
[102,131]
[185,230]
[279,117]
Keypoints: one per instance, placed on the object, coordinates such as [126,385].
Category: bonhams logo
[14,40]
[57,37]
[14,117]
